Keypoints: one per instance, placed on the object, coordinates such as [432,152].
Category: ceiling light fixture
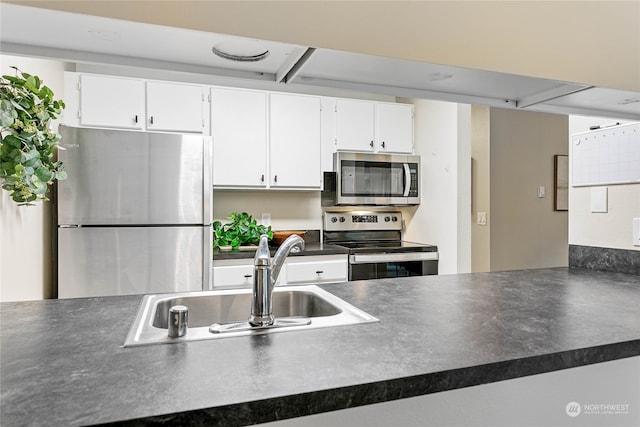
[629,101]
[241,51]
[438,77]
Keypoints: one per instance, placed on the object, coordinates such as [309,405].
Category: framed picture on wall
[560,182]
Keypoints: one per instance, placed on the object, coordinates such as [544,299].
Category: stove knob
[394,219]
[342,219]
[334,219]
[387,219]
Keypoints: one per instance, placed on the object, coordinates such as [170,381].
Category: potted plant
[243,230]
[27,145]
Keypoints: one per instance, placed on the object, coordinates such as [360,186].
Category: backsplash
[604,259]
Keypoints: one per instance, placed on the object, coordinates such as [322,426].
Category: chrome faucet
[265,276]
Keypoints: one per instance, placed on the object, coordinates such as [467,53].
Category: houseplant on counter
[27,144]
[243,230]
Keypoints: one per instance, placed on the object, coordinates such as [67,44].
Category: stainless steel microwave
[376,179]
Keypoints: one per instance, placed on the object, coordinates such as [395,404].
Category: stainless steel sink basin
[233,306]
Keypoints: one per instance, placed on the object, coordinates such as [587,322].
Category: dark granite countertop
[309,249]
[62,362]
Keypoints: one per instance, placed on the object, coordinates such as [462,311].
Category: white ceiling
[91,39]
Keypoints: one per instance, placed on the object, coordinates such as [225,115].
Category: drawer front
[238,276]
[317,272]
[233,276]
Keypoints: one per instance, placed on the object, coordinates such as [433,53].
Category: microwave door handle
[407,179]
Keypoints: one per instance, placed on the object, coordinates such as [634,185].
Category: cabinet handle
[275,178]
[151,120]
[136,119]
[262,178]
[247,276]
[371,144]
[319,272]
[382,144]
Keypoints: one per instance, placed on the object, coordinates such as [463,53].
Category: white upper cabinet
[175,107]
[355,125]
[294,143]
[111,102]
[374,126]
[394,127]
[124,103]
[239,131]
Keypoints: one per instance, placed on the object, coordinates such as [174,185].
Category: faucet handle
[263,256]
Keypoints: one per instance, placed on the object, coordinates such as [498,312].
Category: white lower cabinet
[300,270]
[228,274]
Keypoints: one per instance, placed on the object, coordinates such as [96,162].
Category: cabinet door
[355,125]
[294,141]
[239,130]
[174,107]
[111,102]
[233,276]
[394,128]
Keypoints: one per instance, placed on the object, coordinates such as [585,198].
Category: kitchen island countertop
[62,361]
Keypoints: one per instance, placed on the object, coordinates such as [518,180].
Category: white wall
[290,210]
[442,218]
[609,230]
[25,231]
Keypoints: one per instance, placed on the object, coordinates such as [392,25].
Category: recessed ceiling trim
[102,58]
[548,95]
[405,92]
[239,58]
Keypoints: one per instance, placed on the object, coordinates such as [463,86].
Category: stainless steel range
[376,247]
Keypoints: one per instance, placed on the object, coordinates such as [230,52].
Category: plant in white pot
[28,164]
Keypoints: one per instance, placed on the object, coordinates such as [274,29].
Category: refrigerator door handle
[207,259]
[207,182]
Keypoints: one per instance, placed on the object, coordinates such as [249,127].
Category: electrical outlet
[266,219]
[636,231]
[599,200]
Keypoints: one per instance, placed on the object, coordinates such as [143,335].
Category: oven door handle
[393,257]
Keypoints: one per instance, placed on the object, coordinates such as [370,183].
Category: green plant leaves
[241,230]
[27,164]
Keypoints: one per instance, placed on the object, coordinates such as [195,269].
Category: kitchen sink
[321,308]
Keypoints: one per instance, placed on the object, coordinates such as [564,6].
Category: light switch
[599,199]
[636,231]
[541,192]
[482,218]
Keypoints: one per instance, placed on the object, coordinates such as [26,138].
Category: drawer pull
[319,272]
[247,276]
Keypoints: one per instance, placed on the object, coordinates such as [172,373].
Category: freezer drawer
[101,261]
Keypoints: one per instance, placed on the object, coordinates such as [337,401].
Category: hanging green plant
[27,147]
[242,230]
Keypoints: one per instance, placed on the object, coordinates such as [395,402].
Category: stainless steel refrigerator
[134,214]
